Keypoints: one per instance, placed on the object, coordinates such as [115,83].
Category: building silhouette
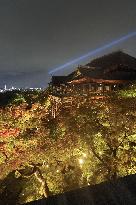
[96,79]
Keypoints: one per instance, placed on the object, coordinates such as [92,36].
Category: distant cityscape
[12,88]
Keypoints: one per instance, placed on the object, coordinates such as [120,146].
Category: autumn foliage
[86,144]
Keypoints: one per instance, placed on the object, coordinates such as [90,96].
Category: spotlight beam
[93,52]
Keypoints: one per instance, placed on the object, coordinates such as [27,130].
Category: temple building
[107,73]
[101,76]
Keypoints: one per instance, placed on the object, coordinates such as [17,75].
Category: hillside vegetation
[85,145]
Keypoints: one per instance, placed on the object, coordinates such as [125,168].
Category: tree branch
[37,173]
[99,158]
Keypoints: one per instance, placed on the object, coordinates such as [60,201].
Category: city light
[12,88]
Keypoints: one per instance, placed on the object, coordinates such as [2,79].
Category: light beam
[91,53]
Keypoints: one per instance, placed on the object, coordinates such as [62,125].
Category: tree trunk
[114,176]
[44,187]
[44,190]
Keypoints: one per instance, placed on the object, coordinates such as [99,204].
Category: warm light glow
[84,155]
[81,161]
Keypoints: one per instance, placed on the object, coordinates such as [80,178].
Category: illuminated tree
[109,129]
[87,144]
[47,152]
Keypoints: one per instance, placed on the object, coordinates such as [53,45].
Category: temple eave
[94,80]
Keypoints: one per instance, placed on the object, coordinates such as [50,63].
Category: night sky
[36,36]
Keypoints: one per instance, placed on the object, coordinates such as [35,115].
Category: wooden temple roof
[115,67]
[115,58]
